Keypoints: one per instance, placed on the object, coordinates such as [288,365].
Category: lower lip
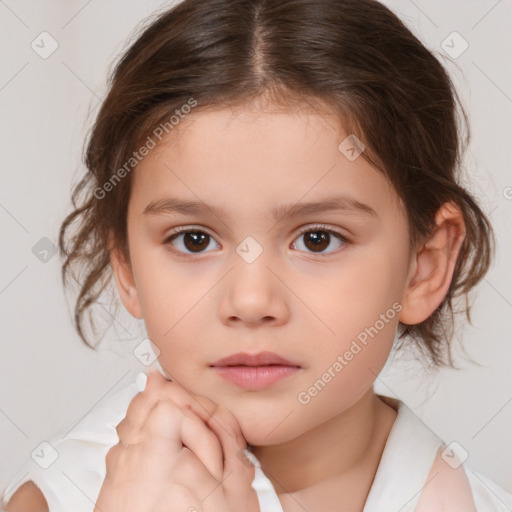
[255,377]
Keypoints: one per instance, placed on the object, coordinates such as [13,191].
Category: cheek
[167,288]
[351,294]
[338,381]
[350,364]
[171,297]
[360,304]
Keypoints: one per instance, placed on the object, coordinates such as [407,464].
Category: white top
[70,469]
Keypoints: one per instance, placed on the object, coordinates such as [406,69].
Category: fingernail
[141,381]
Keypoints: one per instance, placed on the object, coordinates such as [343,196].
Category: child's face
[306,302]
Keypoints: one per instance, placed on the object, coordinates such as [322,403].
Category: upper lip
[260,359]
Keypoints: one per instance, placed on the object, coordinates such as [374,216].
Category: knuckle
[138,406]
[190,414]
[165,407]
[200,427]
[206,404]
[163,415]
[112,455]
[172,388]
[175,390]
[120,427]
[136,402]
[156,381]
[228,420]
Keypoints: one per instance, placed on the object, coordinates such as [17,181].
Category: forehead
[248,129]
[255,158]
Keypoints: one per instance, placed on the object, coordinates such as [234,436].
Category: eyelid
[323,227]
[304,229]
[181,229]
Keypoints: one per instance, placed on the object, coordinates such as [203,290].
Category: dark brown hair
[353,57]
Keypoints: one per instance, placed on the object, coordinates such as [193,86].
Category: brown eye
[190,242]
[317,240]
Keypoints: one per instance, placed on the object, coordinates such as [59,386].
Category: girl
[273,185]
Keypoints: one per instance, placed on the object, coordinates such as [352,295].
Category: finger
[226,427]
[201,405]
[158,388]
[239,472]
[205,492]
[211,413]
[191,473]
[138,410]
[198,438]
[181,427]
[173,390]
[140,406]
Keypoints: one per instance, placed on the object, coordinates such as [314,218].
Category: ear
[432,266]
[125,282]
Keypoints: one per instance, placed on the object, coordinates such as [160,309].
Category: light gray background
[50,380]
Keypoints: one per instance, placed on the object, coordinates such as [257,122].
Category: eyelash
[308,229]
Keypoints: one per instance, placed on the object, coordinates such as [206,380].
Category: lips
[260,359]
[255,371]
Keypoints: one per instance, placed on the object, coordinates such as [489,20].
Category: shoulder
[417,468]
[447,488]
[27,497]
[454,487]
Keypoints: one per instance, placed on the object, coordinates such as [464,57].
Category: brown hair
[354,57]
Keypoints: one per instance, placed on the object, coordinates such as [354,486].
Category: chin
[256,438]
[263,431]
[262,421]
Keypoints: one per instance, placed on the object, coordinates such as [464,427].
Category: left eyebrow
[341,204]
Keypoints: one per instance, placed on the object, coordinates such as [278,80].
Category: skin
[307,307]
[27,497]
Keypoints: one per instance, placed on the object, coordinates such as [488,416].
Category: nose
[253,294]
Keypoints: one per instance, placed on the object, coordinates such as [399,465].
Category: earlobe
[433,266]
[125,283]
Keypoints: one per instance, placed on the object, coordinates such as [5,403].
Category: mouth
[255,371]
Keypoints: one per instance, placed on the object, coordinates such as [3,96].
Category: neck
[347,446]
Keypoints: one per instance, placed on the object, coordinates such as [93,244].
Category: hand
[177,452]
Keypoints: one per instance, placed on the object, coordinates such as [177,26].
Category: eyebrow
[341,204]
